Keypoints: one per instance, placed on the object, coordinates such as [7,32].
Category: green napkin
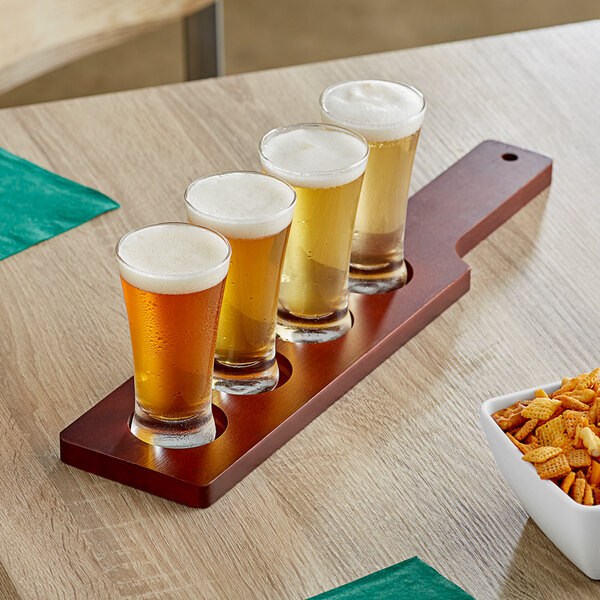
[409,580]
[36,205]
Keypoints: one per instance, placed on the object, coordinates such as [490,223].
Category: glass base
[246,379]
[312,331]
[187,433]
[377,281]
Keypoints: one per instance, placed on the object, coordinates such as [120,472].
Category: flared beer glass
[173,276]
[254,212]
[389,115]
[325,164]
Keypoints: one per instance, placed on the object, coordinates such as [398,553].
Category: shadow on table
[7,588]
[524,230]
[539,570]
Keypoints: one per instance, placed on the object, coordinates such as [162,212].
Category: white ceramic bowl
[572,527]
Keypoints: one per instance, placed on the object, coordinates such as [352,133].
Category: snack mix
[559,435]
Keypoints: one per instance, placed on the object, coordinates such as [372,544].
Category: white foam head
[314,155]
[173,258]
[241,204]
[379,110]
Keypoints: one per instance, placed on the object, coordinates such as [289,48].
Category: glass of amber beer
[389,115]
[254,212]
[173,276]
[325,164]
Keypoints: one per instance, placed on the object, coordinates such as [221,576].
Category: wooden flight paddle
[445,220]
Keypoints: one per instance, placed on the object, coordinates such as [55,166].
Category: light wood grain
[37,36]
[396,467]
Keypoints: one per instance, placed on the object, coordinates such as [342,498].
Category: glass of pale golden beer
[325,164]
[173,276]
[389,115]
[254,212]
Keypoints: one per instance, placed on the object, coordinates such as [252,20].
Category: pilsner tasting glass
[254,212]
[173,276]
[389,115]
[325,164]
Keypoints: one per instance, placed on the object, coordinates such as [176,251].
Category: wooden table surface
[398,466]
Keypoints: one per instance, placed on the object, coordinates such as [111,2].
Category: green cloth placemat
[36,204]
[411,579]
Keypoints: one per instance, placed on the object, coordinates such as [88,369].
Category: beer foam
[379,110]
[314,155]
[173,258]
[241,205]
